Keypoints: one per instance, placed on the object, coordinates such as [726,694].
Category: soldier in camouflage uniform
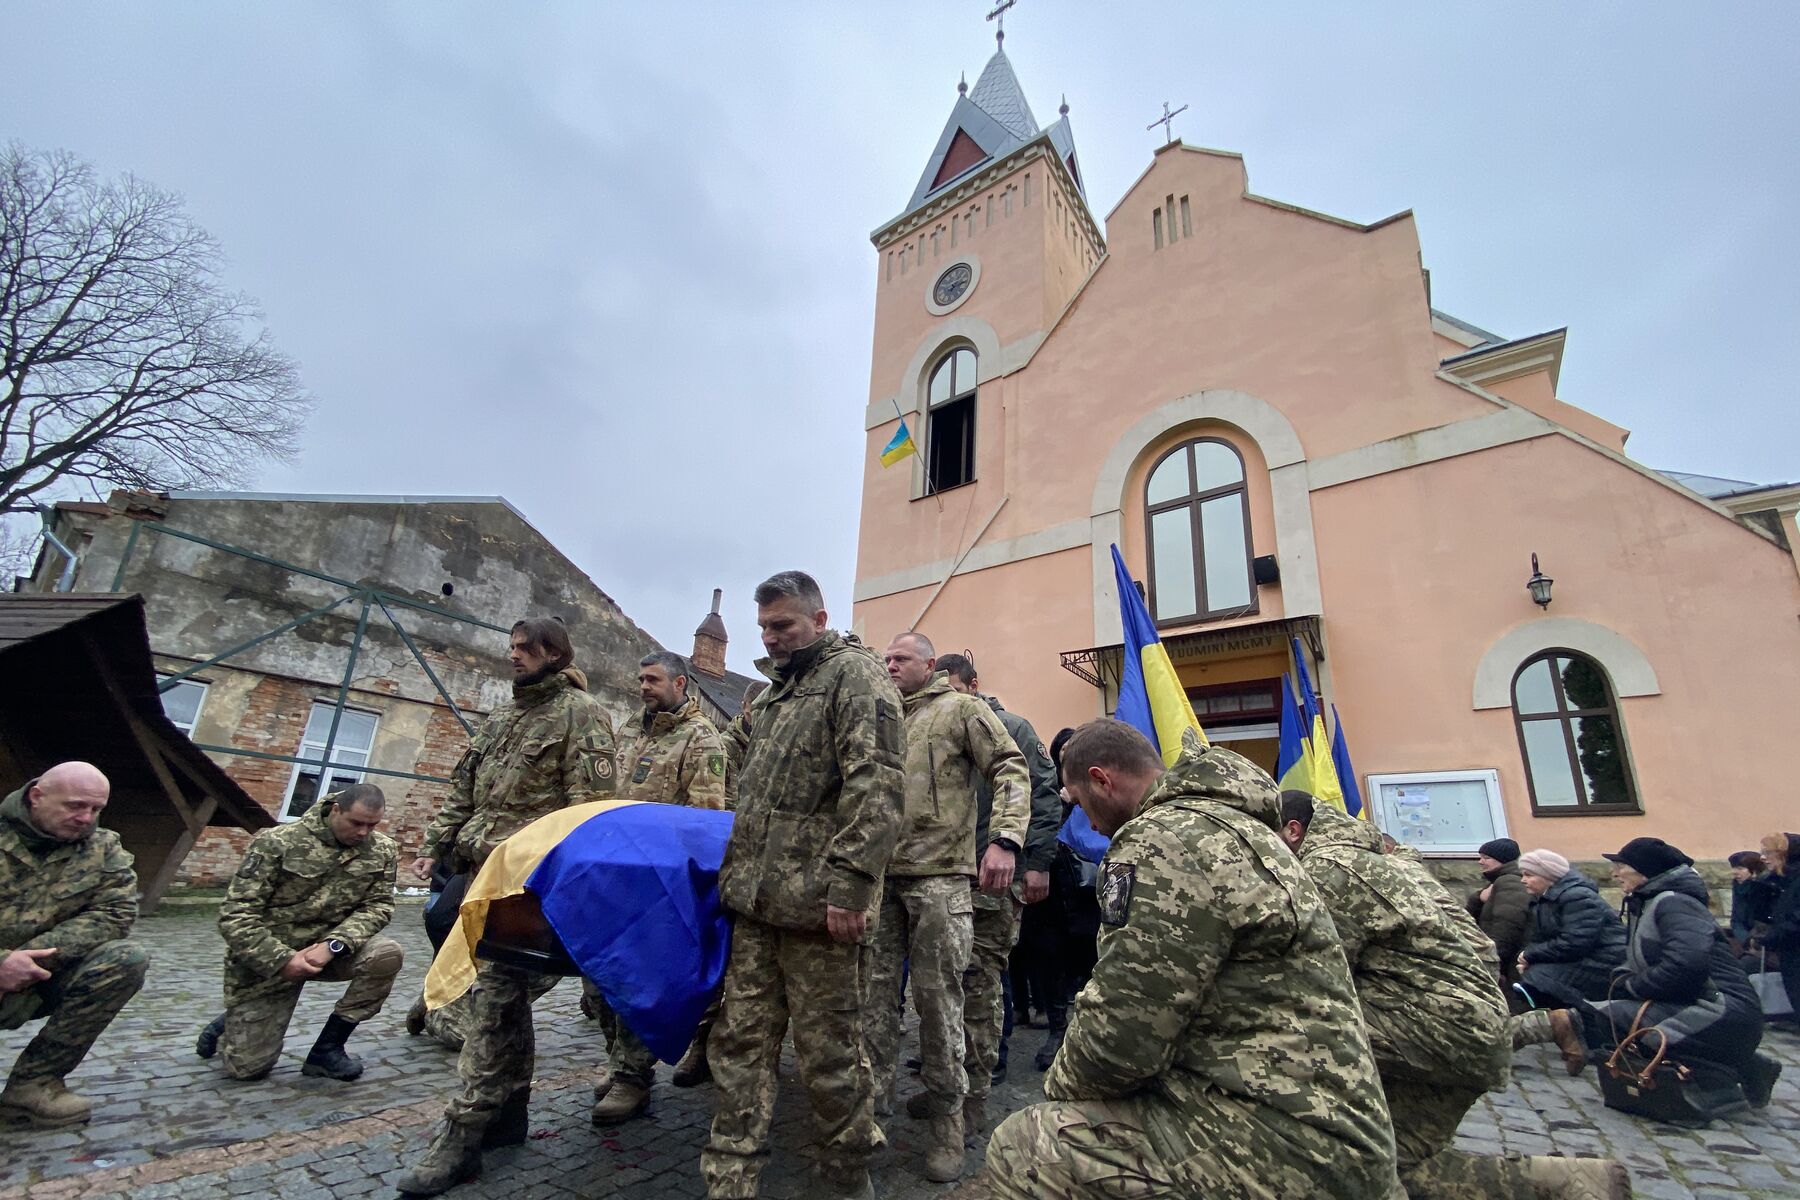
[307,903]
[68,897]
[1216,1050]
[1433,1009]
[954,744]
[550,747]
[997,917]
[819,806]
[736,737]
[673,757]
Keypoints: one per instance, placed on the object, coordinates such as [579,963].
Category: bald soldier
[68,897]
[1216,1049]
[1427,983]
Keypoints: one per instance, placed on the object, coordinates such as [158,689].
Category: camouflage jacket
[1220,992]
[954,744]
[674,758]
[736,739]
[69,895]
[1039,851]
[550,746]
[819,800]
[299,885]
[1434,1008]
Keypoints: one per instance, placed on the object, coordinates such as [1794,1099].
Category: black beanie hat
[1649,856]
[1502,849]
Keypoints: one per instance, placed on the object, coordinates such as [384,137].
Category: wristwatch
[1007,843]
[336,946]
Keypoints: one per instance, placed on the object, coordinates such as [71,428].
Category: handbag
[1640,1078]
[1771,991]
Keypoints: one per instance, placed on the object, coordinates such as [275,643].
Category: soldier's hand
[300,967]
[1037,886]
[317,955]
[422,867]
[845,925]
[20,969]
[997,867]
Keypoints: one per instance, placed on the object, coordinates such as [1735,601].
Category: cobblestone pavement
[168,1124]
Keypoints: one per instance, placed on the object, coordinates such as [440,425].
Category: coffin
[517,935]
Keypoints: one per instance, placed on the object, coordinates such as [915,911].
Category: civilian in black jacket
[1500,907]
[1754,891]
[1678,961]
[1782,850]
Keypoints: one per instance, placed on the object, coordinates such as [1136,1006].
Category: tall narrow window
[1156,227]
[183,702]
[349,753]
[1198,519]
[950,449]
[1571,737]
[1187,218]
[1169,211]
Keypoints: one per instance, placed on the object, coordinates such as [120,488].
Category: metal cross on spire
[1165,121]
[999,14]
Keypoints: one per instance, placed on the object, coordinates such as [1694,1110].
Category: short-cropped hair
[798,584]
[547,635]
[957,665]
[359,795]
[920,642]
[668,660]
[1297,805]
[1110,745]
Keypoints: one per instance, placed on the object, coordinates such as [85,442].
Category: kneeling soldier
[68,897]
[305,904]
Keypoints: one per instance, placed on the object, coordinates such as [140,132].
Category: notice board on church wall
[1439,812]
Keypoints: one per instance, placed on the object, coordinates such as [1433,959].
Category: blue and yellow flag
[1346,774]
[901,447]
[1151,700]
[632,891]
[1306,758]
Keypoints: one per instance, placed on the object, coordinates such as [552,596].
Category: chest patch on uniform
[604,768]
[716,764]
[643,770]
[1114,891]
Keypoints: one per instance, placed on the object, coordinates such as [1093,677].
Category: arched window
[1571,737]
[1198,530]
[950,425]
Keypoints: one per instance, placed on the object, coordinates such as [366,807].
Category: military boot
[974,1114]
[693,1069]
[328,1056]
[1047,1052]
[45,1103]
[918,1106]
[1759,1080]
[978,1186]
[453,1157]
[1565,1031]
[602,1085]
[1579,1178]
[512,1124]
[415,1017]
[623,1101]
[944,1158]
[207,1044]
[835,1185]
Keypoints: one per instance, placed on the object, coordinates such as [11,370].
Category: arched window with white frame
[950,421]
[1197,527]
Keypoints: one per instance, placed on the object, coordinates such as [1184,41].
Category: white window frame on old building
[1383,794]
[346,760]
[187,687]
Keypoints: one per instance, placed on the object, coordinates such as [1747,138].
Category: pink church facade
[1259,405]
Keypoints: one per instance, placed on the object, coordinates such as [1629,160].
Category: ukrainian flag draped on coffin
[1151,700]
[632,890]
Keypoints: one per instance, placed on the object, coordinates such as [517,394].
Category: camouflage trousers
[627,1058]
[1530,1028]
[984,1009]
[500,1051]
[1425,1121]
[1103,1150]
[927,923]
[449,1025]
[775,976]
[78,1002]
[257,1010]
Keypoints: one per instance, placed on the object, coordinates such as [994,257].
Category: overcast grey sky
[613,263]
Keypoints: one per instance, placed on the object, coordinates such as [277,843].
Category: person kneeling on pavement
[68,897]
[307,903]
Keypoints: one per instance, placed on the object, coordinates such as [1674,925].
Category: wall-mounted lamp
[1539,584]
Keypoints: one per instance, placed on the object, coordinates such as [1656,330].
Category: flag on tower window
[901,447]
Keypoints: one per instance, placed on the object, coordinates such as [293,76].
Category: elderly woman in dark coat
[1680,971]
[1574,940]
[1500,907]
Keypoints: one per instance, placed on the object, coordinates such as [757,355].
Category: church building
[1293,449]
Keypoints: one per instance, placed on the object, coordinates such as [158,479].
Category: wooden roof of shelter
[80,684]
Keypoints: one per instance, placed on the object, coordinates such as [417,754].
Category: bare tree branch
[124,361]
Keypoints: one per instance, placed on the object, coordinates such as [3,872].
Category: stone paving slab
[168,1124]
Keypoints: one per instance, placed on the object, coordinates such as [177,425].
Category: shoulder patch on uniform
[252,865]
[603,767]
[716,764]
[1114,891]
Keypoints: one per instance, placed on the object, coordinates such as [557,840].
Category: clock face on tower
[951,285]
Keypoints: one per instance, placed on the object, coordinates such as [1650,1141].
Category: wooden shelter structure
[80,684]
